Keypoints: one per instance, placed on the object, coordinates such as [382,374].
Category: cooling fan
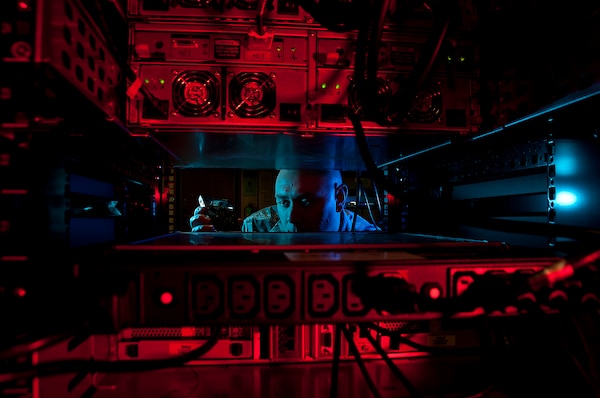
[370,103]
[196,93]
[427,106]
[252,94]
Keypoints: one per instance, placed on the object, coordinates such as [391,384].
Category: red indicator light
[20,292]
[166,298]
[431,291]
[23,5]
[434,293]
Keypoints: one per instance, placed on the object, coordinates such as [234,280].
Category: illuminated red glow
[166,298]
[23,5]
[434,293]
[20,292]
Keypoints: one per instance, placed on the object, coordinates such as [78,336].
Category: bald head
[310,200]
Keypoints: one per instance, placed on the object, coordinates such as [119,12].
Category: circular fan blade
[370,102]
[252,94]
[427,106]
[195,93]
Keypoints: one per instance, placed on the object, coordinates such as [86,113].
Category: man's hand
[201,222]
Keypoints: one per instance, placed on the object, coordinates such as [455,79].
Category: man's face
[306,202]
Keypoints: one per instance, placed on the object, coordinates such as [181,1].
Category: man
[307,201]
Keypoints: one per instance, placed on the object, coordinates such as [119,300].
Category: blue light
[567,161]
[565,198]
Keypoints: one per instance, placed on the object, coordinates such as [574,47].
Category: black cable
[360,362]
[375,39]
[391,365]
[365,153]
[402,100]
[428,349]
[260,14]
[337,16]
[16,372]
[335,366]
[379,206]
[357,199]
[369,208]
[26,348]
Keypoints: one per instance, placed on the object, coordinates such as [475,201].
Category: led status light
[566,198]
[23,5]
[434,293]
[431,291]
[166,298]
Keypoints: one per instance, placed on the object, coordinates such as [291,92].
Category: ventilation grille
[379,100]
[252,94]
[427,106]
[159,333]
[196,93]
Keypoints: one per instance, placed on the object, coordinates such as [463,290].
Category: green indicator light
[337,86]
[146,81]
[462,59]
[162,81]
[449,58]
[323,86]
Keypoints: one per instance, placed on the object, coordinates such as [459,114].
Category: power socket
[279,296]
[207,294]
[323,295]
[352,304]
[244,296]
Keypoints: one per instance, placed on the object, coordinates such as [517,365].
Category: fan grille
[377,101]
[427,106]
[196,93]
[252,94]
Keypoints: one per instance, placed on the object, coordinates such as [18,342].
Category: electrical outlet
[279,296]
[352,304]
[244,296]
[323,295]
[207,294]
